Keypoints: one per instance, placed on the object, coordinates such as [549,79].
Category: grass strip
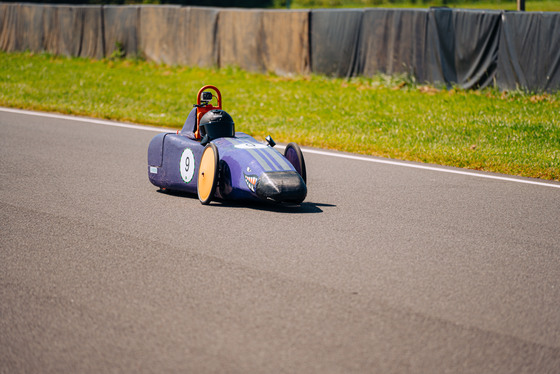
[507,132]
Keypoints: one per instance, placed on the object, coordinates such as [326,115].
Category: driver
[215,124]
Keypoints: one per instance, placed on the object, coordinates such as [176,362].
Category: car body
[234,167]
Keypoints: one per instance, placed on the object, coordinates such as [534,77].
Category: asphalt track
[386,268]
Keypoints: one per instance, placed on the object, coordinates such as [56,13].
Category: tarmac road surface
[383,269]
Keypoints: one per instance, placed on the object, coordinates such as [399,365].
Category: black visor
[217,124]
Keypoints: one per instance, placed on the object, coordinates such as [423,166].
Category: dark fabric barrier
[201,40]
[162,33]
[8,26]
[4,9]
[334,41]
[92,32]
[120,25]
[285,44]
[477,37]
[3,14]
[470,48]
[29,29]
[240,39]
[260,40]
[392,41]
[79,31]
[179,35]
[50,33]
[529,55]
[462,47]
[67,30]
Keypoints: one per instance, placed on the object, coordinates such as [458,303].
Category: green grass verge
[511,132]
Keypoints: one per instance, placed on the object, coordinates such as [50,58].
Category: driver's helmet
[216,124]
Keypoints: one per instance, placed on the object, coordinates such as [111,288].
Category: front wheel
[208,174]
[293,154]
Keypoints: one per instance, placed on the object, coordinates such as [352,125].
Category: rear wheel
[293,154]
[207,174]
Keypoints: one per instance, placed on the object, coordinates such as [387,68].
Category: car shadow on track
[305,207]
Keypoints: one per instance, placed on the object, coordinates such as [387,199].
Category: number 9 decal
[187,165]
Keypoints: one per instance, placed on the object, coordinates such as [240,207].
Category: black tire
[293,154]
[208,174]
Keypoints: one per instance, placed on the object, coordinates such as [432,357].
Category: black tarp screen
[179,35]
[462,47]
[334,41]
[201,44]
[79,31]
[240,39]
[469,48]
[8,27]
[392,41]
[260,40]
[529,55]
[30,28]
[161,33]
[121,26]
[286,41]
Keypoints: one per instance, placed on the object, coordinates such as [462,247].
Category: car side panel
[180,158]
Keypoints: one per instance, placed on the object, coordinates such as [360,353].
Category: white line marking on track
[307,150]
[432,168]
[85,119]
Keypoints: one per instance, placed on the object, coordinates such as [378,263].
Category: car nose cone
[281,186]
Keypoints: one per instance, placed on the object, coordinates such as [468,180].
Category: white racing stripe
[307,150]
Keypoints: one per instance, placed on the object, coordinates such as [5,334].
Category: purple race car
[208,157]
